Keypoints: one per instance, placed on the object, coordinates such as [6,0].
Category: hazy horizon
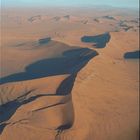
[68,3]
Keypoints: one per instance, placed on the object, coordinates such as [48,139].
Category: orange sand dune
[69,74]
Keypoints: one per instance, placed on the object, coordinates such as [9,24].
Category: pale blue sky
[114,3]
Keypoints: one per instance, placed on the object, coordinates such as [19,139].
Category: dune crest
[43,90]
[69,74]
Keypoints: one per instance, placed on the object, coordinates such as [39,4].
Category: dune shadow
[70,62]
[8,109]
[44,40]
[109,17]
[33,18]
[132,55]
[99,40]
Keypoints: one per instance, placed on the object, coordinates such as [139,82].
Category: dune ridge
[69,74]
[45,87]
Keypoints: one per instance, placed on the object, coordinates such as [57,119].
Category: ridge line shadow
[71,62]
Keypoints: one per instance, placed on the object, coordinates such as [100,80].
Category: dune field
[69,74]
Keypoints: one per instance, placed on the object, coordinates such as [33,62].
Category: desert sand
[69,74]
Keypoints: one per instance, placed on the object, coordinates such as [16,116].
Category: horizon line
[70,6]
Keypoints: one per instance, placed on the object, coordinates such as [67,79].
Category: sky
[113,3]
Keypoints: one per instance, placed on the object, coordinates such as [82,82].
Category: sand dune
[109,17]
[69,75]
[55,88]
[34,18]
[99,40]
[132,55]
[37,100]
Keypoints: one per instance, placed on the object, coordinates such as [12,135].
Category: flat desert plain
[69,74]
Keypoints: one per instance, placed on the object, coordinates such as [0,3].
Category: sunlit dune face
[69,73]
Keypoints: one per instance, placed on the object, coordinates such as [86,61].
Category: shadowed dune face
[109,17]
[132,55]
[24,96]
[44,94]
[8,109]
[44,40]
[34,18]
[67,16]
[99,40]
[69,63]
[125,26]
